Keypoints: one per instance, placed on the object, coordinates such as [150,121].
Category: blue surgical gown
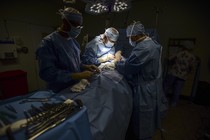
[58,57]
[142,72]
[94,50]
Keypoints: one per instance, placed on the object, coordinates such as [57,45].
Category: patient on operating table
[101,50]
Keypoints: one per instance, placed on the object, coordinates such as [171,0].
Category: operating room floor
[186,121]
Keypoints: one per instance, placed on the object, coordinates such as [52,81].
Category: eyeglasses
[111,40]
[79,27]
[75,25]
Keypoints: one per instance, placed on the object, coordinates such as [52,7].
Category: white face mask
[109,44]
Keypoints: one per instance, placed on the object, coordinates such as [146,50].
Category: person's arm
[91,68]
[106,57]
[89,56]
[50,69]
[118,56]
[133,64]
[82,75]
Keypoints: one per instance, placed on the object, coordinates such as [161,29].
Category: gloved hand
[80,86]
[107,66]
[92,68]
[110,65]
[110,56]
[106,57]
[118,56]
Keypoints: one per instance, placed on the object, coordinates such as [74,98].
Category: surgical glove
[118,56]
[110,65]
[101,66]
[107,66]
[106,57]
[110,56]
[80,86]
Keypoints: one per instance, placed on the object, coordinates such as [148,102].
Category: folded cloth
[80,86]
[107,66]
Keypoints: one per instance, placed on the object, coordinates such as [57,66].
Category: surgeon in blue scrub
[102,48]
[143,72]
[59,54]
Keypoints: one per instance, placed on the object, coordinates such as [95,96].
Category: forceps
[11,108]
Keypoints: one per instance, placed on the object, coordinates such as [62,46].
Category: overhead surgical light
[120,6]
[102,6]
[96,8]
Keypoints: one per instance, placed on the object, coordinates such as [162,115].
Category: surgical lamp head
[112,34]
[136,28]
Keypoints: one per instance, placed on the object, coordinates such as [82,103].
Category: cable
[157,11]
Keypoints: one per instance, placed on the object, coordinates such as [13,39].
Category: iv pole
[157,11]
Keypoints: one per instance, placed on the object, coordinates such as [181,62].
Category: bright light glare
[101,6]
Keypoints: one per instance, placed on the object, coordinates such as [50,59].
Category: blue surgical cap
[135,28]
[71,15]
[112,34]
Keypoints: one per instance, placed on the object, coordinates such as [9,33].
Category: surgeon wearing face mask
[142,70]
[59,54]
[102,48]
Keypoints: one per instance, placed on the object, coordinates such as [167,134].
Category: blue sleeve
[132,65]
[112,51]
[49,68]
[90,57]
